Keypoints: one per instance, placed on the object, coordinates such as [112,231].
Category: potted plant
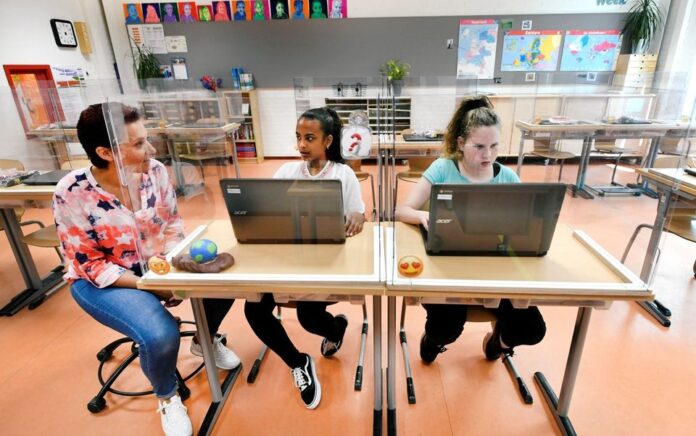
[395,71]
[643,21]
[146,65]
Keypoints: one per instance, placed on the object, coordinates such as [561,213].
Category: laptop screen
[493,219]
[280,211]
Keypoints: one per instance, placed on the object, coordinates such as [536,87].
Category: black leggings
[312,316]
[445,322]
[215,311]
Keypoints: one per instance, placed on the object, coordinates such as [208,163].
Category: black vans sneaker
[491,345]
[329,348]
[307,382]
[429,349]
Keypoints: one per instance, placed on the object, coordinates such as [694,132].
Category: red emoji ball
[410,266]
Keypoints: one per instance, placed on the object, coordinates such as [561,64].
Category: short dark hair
[92,132]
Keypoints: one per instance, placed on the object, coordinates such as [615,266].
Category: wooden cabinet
[635,70]
[381,119]
[248,140]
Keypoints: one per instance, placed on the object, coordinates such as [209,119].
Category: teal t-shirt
[444,170]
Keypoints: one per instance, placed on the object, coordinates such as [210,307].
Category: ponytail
[330,124]
[472,112]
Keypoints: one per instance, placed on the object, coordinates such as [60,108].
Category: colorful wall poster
[591,50]
[188,12]
[476,52]
[260,10]
[338,9]
[170,13]
[132,13]
[151,11]
[240,10]
[279,9]
[204,13]
[317,9]
[299,9]
[530,50]
[221,11]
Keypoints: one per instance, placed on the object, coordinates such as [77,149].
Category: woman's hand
[354,223]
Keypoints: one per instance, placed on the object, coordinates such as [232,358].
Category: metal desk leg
[235,158]
[648,162]
[655,308]
[391,366]
[37,288]
[579,187]
[520,154]
[377,351]
[218,393]
[559,407]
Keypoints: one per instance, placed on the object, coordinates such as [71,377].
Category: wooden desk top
[346,269]
[174,130]
[405,148]
[26,193]
[676,177]
[188,130]
[574,269]
[585,127]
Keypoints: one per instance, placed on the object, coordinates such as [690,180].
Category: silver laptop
[285,211]
[516,219]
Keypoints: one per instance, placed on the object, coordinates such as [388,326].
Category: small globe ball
[203,250]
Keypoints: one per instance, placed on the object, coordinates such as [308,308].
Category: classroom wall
[26,38]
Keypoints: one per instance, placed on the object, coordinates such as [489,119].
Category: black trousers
[445,322]
[215,311]
[312,316]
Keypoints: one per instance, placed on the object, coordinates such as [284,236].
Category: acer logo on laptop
[239,212]
[443,221]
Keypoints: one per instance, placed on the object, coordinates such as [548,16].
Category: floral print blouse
[101,239]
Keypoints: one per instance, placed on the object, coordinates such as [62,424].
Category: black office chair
[98,403]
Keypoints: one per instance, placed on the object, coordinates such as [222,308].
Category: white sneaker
[174,417]
[224,357]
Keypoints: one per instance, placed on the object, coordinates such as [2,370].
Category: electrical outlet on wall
[498,80]
[449,43]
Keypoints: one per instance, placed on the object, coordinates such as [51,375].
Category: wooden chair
[681,217]
[610,147]
[45,236]
[356,166]
[548,149]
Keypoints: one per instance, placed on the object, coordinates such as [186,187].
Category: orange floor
[636,377]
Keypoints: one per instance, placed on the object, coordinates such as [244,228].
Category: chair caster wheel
[184,392]
[96,405]
[103,355]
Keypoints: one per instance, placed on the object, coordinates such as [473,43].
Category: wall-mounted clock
[64,33]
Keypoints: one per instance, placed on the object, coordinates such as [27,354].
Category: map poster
[530,50]
[476,52]
[591,50]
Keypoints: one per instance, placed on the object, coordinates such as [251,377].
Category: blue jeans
[141,316]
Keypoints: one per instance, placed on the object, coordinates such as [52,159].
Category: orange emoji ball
[410,266]
[158,265]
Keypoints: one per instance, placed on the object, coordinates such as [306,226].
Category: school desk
[328,272]
[575,272]
[36,286]
[672,183]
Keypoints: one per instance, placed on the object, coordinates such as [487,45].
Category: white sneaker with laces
[174,417]
[224,357]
